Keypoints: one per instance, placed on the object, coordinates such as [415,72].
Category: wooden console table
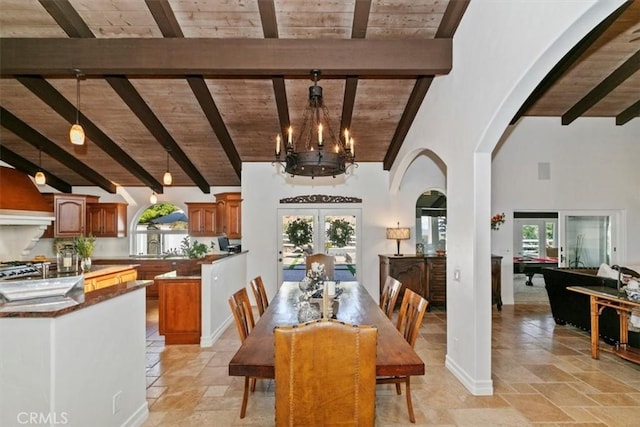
[601,297]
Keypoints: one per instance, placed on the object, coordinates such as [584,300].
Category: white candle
[353,151]
[320,134]
[277,145]
[290,135]
[346,138]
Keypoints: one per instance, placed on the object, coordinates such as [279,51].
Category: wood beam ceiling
[225,57]
[628,114]
[20,163]
[35,138]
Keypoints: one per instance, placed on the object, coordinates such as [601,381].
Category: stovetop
[19,270]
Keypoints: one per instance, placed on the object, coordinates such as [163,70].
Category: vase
[85,264]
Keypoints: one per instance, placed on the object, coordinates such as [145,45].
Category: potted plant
[84,247]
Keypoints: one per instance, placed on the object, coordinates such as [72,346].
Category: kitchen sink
[47,294]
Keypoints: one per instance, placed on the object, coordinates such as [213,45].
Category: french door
[588,239]
[305,231]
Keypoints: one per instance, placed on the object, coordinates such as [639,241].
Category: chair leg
[398,389]
[412,418]
[245,397]
[253,384]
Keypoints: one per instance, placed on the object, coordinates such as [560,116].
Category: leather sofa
[573,308]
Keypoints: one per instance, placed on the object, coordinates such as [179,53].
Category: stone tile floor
[543,375]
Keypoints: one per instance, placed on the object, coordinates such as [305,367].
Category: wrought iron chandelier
[317,151]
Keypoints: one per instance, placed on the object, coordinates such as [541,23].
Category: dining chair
[410,317]
[389,295]
[325,374]
[243,316]
[321,258]
[260,294]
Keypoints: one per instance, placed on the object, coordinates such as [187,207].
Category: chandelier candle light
[398,233]
[307,156]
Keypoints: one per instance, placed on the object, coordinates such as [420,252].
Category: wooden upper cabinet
[229,219]
[70,212]
[107,219]
[202,219]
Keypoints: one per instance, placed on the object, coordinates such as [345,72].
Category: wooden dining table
[395,356]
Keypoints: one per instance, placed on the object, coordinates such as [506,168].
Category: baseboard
[477,388]
[211,339]
[138,417]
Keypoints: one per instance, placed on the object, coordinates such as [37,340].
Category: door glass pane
[588,240]
[340,241]
[530,240]
[298,240]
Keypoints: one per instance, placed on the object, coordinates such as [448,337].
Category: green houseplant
[84,247]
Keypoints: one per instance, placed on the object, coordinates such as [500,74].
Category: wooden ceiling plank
[629,113]
[20,163]
[208,105]
[446,30]
[623,72]
[68,18]
[415,100]
[9,121]
[567,61]
[225,57]
[123,87]
[47,93]
[165,18]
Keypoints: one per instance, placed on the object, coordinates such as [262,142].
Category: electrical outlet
[116,401]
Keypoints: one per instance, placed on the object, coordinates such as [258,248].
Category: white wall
[592,163]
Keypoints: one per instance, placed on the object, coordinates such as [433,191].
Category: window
[160,230]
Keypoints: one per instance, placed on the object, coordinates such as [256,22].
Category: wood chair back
[389,295]
[260,294]
[325,373]
[327,260]
[410,317]
[242,313]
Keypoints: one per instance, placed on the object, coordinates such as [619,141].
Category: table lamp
[398,233]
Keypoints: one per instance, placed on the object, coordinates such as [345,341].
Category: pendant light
[167,179]
[40,178]
[76,134]
[153,199]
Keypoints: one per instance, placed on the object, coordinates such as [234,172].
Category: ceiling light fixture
[76,133]
[40,178]
[153,199]
[306,156]
[167,179]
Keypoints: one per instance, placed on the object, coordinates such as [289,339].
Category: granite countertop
[90,298]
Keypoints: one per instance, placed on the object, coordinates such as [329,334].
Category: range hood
[24,214]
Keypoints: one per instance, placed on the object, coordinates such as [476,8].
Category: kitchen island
[79,366]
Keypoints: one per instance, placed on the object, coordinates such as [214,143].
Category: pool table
[530,266]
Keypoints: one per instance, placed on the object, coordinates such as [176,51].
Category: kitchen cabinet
[202,219]
[427,275]
[179,309]
[70,211]
[107,219]
[102,277]
[229,215]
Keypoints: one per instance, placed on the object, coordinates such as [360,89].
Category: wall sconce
[398,233]
[76,133]
[39,177]
[154,198]
[167,179]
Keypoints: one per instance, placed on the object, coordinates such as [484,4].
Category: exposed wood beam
[629,113]
[225,57]
[415,100]
[47,93]
[567,61]
[166,19]
[67,18]
[282,105]
[267,11]
[201,91]
[139,107]
[361,12]
[9,121]
[20,163]
[447,28]
[347,105]
[613,80]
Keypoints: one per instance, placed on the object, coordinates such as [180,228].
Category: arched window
[160,231]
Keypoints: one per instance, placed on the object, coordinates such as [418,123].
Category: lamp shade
[167,179]
[398,233]
[40,178]
[153,199]
[76,134]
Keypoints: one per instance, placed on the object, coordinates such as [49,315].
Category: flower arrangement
[316,273]
[340,232]
[299,232]
[497,220]
[84,246]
